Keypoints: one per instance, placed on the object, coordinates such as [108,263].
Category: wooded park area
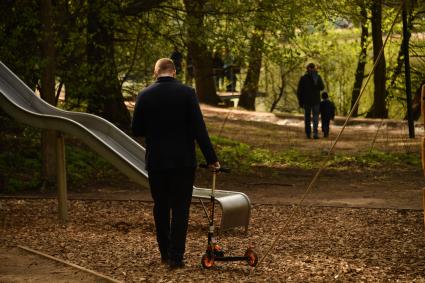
[99,55]
[344,207]
[102,53]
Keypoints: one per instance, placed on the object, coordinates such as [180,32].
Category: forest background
[97,55]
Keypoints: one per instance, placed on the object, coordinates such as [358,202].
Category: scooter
[215,251]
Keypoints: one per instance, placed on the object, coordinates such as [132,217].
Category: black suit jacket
[168,115]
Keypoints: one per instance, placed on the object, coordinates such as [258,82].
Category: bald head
[164,67]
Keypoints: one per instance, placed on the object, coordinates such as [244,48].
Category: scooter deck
[230,258]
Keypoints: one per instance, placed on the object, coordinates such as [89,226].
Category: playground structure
[21,103]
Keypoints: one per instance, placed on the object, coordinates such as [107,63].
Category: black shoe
[175,264]
[316,137]
[164,260]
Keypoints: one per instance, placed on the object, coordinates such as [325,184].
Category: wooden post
[423,144]
[423,138]
[61,178]
[422,100]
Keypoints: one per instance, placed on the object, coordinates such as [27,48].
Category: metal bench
[235,207]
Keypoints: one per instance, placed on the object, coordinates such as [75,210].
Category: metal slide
[21,103]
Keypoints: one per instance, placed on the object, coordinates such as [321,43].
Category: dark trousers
[325,127]
[311,110]
[172,193]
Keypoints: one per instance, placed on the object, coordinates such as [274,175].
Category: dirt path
[399,189]
[391,187]
[269,131]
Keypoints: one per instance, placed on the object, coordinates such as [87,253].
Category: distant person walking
[308,94]
[218,70]
[327,113]
[230,70]
[168,115]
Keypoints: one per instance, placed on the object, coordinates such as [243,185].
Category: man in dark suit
[168,115]
[308,94]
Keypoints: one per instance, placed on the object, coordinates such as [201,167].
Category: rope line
[376,135]
[326,160]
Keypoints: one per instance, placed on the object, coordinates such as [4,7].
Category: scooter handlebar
[221,169]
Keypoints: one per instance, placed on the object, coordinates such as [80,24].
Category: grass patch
[241,157]
[376,158]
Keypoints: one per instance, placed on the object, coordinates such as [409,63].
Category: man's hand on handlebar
[214,166]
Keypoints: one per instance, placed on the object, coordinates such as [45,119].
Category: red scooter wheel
[207,261]
[252,257]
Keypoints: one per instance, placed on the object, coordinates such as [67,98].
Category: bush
[20,160]
[84,166]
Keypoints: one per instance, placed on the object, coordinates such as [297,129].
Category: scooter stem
[213,183]
[211,219]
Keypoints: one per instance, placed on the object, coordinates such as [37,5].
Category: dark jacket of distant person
[309,88]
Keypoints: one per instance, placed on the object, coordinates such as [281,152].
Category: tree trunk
[105,98]
[47,90]
[417,103]
[250,86]
[73,62]
[379,107]
[361,64]
[281,91]
[400,62]
[201,56]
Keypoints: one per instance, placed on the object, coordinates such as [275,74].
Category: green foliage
[20,160]
[233,154]
[84,166]
[241,157]
[374,158]
[19,44]
[380,158]
[20,170]
[295,32]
